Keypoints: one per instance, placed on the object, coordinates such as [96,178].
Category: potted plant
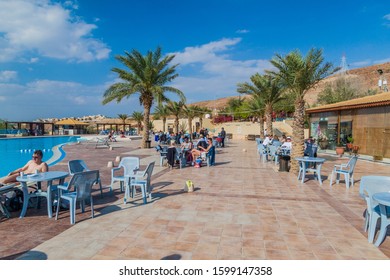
[339,149]
[350,143]
[355,149]
[323,141]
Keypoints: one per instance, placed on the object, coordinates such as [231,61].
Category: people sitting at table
[202,142]
[171,153]
[310,147]
[287,145]
[198,152]
[186,147]
[267,140]
[32,165]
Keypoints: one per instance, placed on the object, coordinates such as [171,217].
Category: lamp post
[380,72]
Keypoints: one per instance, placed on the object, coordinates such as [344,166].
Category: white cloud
[6,76]
[387,17]
[31,28]
[219,73]
[361,63]
[242,31]
[49,98]
[380,61]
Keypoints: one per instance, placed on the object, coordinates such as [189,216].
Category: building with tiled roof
[365,120]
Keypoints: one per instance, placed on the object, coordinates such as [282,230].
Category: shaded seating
[141,179]
[78,165]
[129,166]
[346,170]
[78,189]
[370,185]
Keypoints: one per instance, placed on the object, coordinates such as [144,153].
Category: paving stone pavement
[241,209]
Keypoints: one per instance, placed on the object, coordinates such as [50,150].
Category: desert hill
[366,76]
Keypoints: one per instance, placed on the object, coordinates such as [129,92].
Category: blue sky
[56,56]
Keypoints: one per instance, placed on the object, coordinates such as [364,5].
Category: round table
[303,167]
[383,199]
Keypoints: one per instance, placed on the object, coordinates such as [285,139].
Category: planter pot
[349,146]
[355,149]
[340,151]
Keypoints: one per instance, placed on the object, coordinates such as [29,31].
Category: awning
[70,122]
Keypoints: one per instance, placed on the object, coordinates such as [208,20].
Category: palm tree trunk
[261,120]
[268,119]
[164,123]
[177,125]
[190,126]
[298,133]
[145,136]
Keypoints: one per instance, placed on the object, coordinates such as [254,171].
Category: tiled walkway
[241,209]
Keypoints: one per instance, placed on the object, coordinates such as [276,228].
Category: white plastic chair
[129,165]
[141,179]
[345,169]
[78,189]
[78,165]
[273,153]
[370,185]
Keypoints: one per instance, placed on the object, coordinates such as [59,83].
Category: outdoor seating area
[271,216]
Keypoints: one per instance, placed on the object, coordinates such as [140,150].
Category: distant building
[366,120]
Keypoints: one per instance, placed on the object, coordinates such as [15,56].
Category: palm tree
[255,105]
[233,105]
[123,117]
[161,112]
[138,117]
[148,76]
[176,109]
[267,88]
[190,112]
[298,74]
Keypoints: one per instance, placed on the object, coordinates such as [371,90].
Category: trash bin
[147,142]
[283,163]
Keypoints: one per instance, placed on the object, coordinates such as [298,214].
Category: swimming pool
[15,152]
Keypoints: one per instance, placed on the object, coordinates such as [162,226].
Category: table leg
[384,224]
[303,172]
[49,199]
[26,198]
[319,173]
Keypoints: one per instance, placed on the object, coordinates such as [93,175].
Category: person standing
[223,135]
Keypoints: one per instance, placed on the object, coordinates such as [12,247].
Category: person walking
[223,135]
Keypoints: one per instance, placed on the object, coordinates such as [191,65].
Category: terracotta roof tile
[381,99]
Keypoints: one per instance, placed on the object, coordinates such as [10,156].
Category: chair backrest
[370,185]
[82,182]
[148,173]
[272,150]
[76,166]
[351,164]
[276,143]
[129,164]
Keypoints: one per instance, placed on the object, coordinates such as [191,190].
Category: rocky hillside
[367,78]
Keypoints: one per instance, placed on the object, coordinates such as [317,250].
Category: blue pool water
[16,152]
